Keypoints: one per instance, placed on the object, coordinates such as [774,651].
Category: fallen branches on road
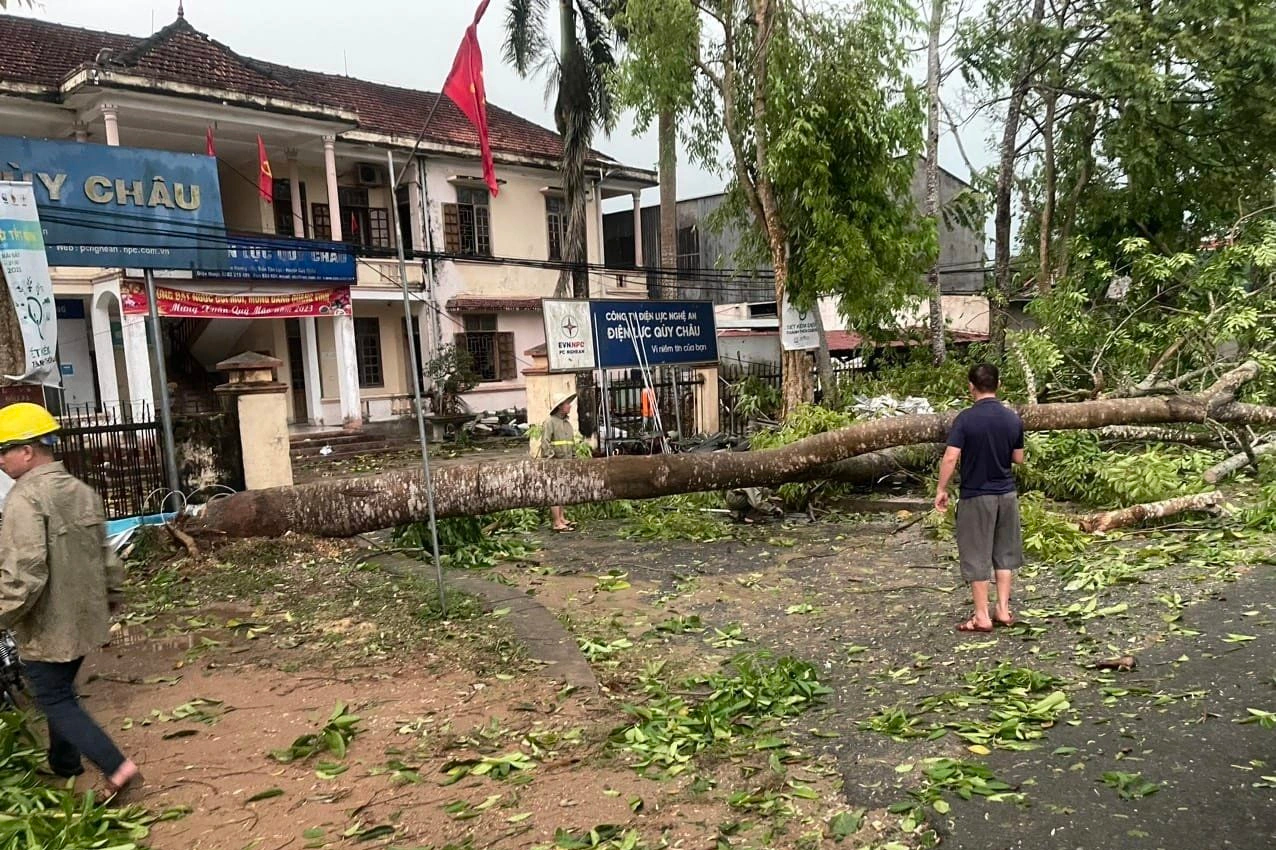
[1135,514]
[342,508]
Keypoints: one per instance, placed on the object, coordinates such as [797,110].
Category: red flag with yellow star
[464,87]
[265,180]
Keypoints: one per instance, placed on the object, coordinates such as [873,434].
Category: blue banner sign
[670,333]
[257,258]
[115,206]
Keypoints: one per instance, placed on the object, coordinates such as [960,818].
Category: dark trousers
[72,733]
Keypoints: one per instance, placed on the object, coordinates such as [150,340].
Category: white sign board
[569,335]
[798,328]
[26,272]
[6,484]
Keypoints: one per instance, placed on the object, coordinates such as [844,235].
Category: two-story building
[340,151]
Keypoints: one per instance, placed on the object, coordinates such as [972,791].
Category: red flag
[208,142]
[464,87]
[265,180]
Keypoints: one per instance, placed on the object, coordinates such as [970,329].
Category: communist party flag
[209,148]
[464,87]
[265,180]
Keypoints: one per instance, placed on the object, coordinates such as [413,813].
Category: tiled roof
[43,53]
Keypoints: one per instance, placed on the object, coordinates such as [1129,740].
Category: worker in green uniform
[558,440]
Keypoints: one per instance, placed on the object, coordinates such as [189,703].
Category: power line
[187,238]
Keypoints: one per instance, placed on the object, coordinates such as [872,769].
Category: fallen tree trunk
[1235,463]
[1135,514]
[345,507]
[874,466]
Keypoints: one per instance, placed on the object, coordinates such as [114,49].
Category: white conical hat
[560,400]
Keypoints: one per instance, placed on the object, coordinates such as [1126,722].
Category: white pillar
[415,207]
[81,131]
[310,365]
[637,229]
[347,371]
[334,208]
[110,115]
[425,327]
[294,185]
[137,362]
[108,383]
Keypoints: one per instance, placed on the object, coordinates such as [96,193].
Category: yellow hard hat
[26,423]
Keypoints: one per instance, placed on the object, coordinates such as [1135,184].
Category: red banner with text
[189,303]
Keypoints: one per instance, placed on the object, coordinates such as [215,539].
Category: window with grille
[282,191]
[556,221]
[379,228]
[467,224]
[688,247]
[367,344]
[491,350]
[321,215]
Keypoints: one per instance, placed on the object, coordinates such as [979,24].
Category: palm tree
[579,75]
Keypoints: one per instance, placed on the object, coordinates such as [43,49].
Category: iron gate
[678,397]
[117,455]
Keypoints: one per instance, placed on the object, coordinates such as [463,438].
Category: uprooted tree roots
[342,508]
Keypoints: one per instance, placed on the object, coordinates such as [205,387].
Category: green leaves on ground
[34,813]
[334,737]
[498,767]
[1014,705]
[964,779]
[1266,719]
[1129,786]
[602,837]
[475,542]
[669,731]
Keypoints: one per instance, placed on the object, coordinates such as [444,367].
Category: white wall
[756,348]
[967,313]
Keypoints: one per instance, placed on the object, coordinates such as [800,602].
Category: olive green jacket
[57,574]
[557,437]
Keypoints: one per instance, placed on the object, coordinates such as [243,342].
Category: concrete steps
[308,449]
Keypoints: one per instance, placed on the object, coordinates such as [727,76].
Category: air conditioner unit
[369,175]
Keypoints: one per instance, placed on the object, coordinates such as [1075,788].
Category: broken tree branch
[1235,463]
[1135,514]
[345,507]
[1155,434]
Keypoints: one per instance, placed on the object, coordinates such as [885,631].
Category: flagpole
[416,146]
[416,383]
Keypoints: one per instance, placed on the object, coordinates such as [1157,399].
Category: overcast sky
[401,42]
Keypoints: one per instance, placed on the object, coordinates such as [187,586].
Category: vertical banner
[26,273]
[569,335]
[798,330]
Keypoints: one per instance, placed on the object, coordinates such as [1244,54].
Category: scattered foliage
[668,731]
[334,737]
[39,814]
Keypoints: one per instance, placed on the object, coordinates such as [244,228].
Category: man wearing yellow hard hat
[58,584]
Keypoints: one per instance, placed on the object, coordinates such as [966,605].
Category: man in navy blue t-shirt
[987,438]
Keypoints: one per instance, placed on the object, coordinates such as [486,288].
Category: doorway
[297,371]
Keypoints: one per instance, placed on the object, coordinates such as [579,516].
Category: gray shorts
[988,535]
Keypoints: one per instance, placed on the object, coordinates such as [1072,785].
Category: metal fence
[750,391]
[118,454]
[678,392]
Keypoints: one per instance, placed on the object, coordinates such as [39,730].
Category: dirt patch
[223,660]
